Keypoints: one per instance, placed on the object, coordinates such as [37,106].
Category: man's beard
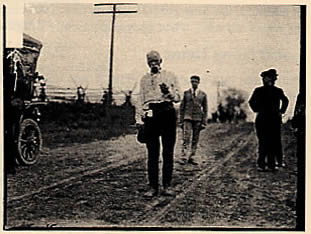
[155,70]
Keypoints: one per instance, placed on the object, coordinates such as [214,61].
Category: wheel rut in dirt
[162,205]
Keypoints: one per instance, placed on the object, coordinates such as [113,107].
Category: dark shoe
[191,161]
[151,193]
[168,192]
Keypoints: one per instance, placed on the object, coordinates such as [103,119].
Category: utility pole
[114,11]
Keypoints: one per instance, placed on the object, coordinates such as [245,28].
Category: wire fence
[91,95]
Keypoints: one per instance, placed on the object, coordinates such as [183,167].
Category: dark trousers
[161,124]
[268,129]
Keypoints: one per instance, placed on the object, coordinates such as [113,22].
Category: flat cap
[271,73]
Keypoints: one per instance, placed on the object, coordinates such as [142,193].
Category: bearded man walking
[159,89]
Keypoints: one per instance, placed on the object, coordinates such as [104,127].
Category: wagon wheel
[29,142]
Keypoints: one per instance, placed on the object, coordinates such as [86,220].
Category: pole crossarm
[109,12]
[110,4]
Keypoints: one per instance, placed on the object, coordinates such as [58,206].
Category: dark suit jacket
[193,108]
[266,100]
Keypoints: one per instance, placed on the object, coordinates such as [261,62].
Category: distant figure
[193,114]
[241,115]
[105,98]
[222,116]
[36,88]
[128,97]
[130,108]
[80,94]
[158,91]
[230,113]
[42,95]
[214,117]
[265,101]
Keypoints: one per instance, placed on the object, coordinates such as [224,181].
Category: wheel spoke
[30,152]
[30,155]
[23,147]
[24,153]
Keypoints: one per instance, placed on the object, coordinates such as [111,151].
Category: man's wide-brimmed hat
[154,56]
[271,73]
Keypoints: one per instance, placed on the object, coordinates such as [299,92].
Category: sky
[231,44]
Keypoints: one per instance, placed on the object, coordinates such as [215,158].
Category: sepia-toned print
[144,116]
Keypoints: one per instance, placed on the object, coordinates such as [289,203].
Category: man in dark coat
[265,101]
[193,114]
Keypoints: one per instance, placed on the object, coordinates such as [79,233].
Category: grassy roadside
[64,123]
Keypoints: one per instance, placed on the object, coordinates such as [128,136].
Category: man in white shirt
[159,89]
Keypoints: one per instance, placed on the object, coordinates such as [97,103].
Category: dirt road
[101,184]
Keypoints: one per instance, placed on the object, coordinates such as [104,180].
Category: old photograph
[153,116]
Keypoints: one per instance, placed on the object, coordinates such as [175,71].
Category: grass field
[64,123]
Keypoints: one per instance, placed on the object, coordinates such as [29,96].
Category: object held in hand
[164,88]
[149,113]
